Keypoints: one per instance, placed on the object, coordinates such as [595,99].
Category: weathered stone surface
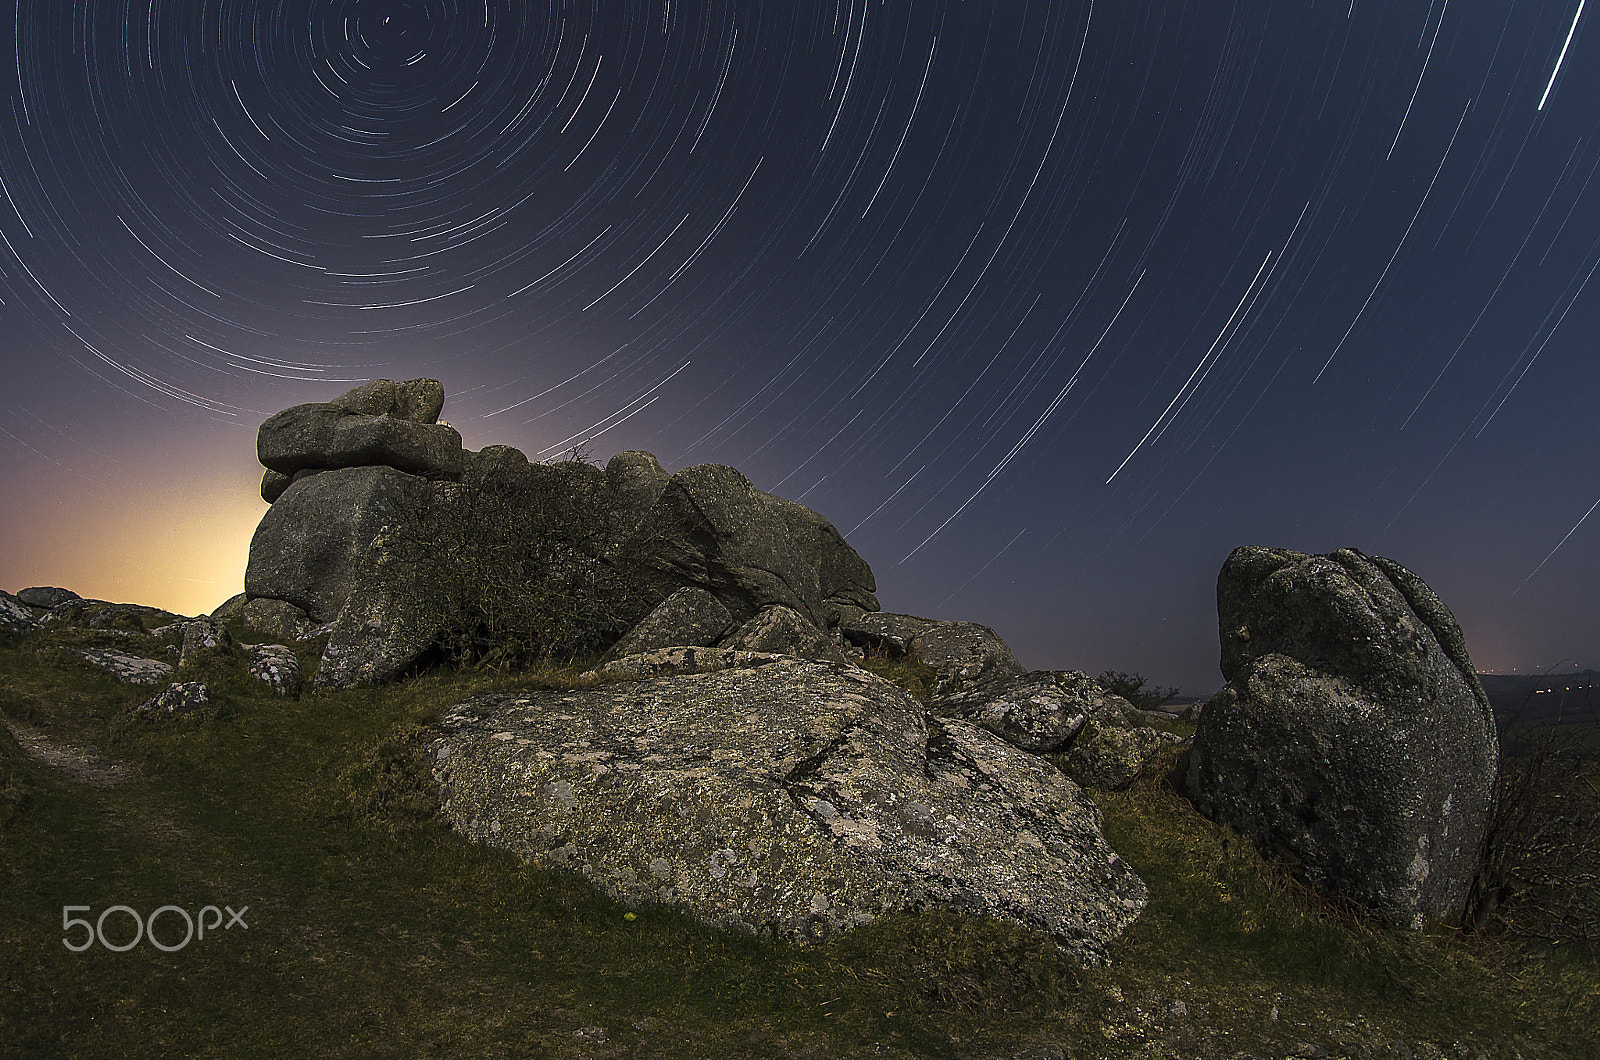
[711,528]
[46,596]
[690,616]
[882,630]
[277,666]
[796,798]
[131,669]
[1112,756]
[183,697]
[308,545]
[676,661]
[1038,712]
[379,423]
[1352,737]
[417,400]
[232,607]
[15,617]
[418,448]
[203,634]
[964,654]
[278,618]
[636,479]
[783,631]
[273,483]
[380,632]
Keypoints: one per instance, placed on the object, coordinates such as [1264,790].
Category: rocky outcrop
[782,796]
[15,616]
[1352,737]
[384,528]
[306,549]
[103,614]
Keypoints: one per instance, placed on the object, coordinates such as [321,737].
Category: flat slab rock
[132,669]
[783,797]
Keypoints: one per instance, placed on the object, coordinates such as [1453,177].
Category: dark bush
[1540,872]
[1131,687]
[516,565]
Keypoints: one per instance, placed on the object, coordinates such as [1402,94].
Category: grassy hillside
[374,931]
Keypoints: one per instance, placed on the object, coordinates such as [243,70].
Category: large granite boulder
[46,596]
[306,548]
[711,528]
[278,618]
[385,627]
[1352,737]
[782,796]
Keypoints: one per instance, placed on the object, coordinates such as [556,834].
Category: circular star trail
[1046,305]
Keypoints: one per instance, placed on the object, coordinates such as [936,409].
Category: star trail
[1046,305]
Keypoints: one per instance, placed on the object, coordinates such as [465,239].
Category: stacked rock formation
[353,480]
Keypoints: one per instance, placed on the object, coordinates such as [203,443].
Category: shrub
[1540,870]
[515,564]
[1131,687]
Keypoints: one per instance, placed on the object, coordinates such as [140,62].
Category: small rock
[203,634]
[1112,757]
[179,698]
[277,666]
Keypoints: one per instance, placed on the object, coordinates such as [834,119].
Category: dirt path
[81,764]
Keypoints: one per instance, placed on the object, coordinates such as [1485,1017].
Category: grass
[375,931]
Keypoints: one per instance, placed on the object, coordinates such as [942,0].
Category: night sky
[1047,306]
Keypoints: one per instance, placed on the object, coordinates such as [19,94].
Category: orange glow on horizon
[178,541]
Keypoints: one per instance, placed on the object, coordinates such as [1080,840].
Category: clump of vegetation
[519,567]
[393,786]
[1540,873]
[1132,688]
[15,791]
[907,671]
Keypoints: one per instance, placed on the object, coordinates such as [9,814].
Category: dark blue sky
[1047,306]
